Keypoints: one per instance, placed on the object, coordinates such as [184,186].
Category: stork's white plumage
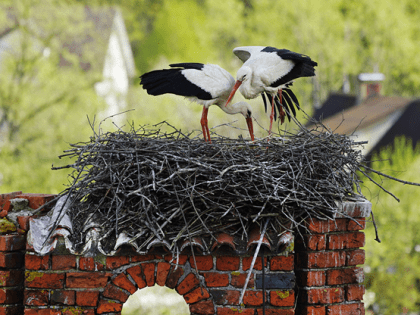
[206,84]
[272,71]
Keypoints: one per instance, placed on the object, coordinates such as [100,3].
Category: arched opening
[156,300]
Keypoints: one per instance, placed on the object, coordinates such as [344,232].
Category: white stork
[206,84]
[272,71]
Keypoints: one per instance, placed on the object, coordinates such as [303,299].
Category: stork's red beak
[250,127]
[235,87]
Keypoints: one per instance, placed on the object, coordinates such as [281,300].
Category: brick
[355,240]
[282,263]
[322,296]
[235,311]
[35,297]
[141,258]
[137,274]
[225,297]
[86,264]
[246,263]
[174,277]
[11,296]
[321,259]
[253,298]
[311,310]
[182,259]
[63,297]
[6,197]
[11,278]
[317,226]
[74,311]
[311,242]
[227,263]
[202,308]
[115,262]
[87,298]
[10,243]
[353,225]
[238,280]
[346,240]
[273,311]
[162,272]
[86,279]
[215,279]
[355,257]
[11,310]
[355,292]
[35,262]
[186,285]
[108,307]
[115,293]
[196,295]
[63,262]
[149,273]
[36,200]
[356,309]
[23,222]
[337,225]
[345,276]
[203,262]
[311,278]
[123,282]
[282,298]
[35,279]
[12,260]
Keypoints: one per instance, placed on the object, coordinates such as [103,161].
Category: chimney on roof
[370,84]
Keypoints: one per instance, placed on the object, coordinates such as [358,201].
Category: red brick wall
[325,262]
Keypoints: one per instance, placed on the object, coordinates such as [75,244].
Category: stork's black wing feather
[265,101]
[293,97]
[173,81]
[289,101]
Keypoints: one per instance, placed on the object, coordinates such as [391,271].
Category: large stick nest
[150,184]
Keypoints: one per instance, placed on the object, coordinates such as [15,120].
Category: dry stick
[253,262]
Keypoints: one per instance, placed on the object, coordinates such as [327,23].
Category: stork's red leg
[282,113]
[204,124]
[272,114]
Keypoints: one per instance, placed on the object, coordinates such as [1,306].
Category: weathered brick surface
[238,280]
[227,263]
[282,298]
[115,262]
[141,258]
[276,311]
[63,297]
[253,298]
[322,295]
[63,262]
[149,273]
[346,240]
[35,262]
[225,297]
[113,292]
[87,298]
[311,310]
[215,279]
[203,262]
[186,285]
[355,292]
[182,259]
[246,263]
[356,309]
[311,242]
[313,278]
[35,297]
[86,279]
[42,280]
[174,277]
[89,264]
[196,295]
[202,308]
[235,311]
[345,276]
[36,200]
[137,274]
[356,224]
[106,306]
[11,310]
[11,296]
[11,260]
[282,263]
[321,259]
[11,278]
[123,282]
[355,257]
[162,272]
[10,243]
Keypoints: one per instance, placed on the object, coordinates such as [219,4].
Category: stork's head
[243,75]
[241,108]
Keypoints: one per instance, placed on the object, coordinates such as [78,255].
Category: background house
[371,116]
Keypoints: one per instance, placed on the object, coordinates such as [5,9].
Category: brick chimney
[370,84]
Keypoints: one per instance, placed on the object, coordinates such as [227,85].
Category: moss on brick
[31,275]
[6,226]
[283,294]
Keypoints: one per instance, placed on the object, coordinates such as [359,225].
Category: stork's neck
[237,108]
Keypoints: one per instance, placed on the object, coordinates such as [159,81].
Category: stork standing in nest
[205,84]
[272,71]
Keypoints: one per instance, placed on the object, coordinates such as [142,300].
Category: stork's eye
[243,77]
